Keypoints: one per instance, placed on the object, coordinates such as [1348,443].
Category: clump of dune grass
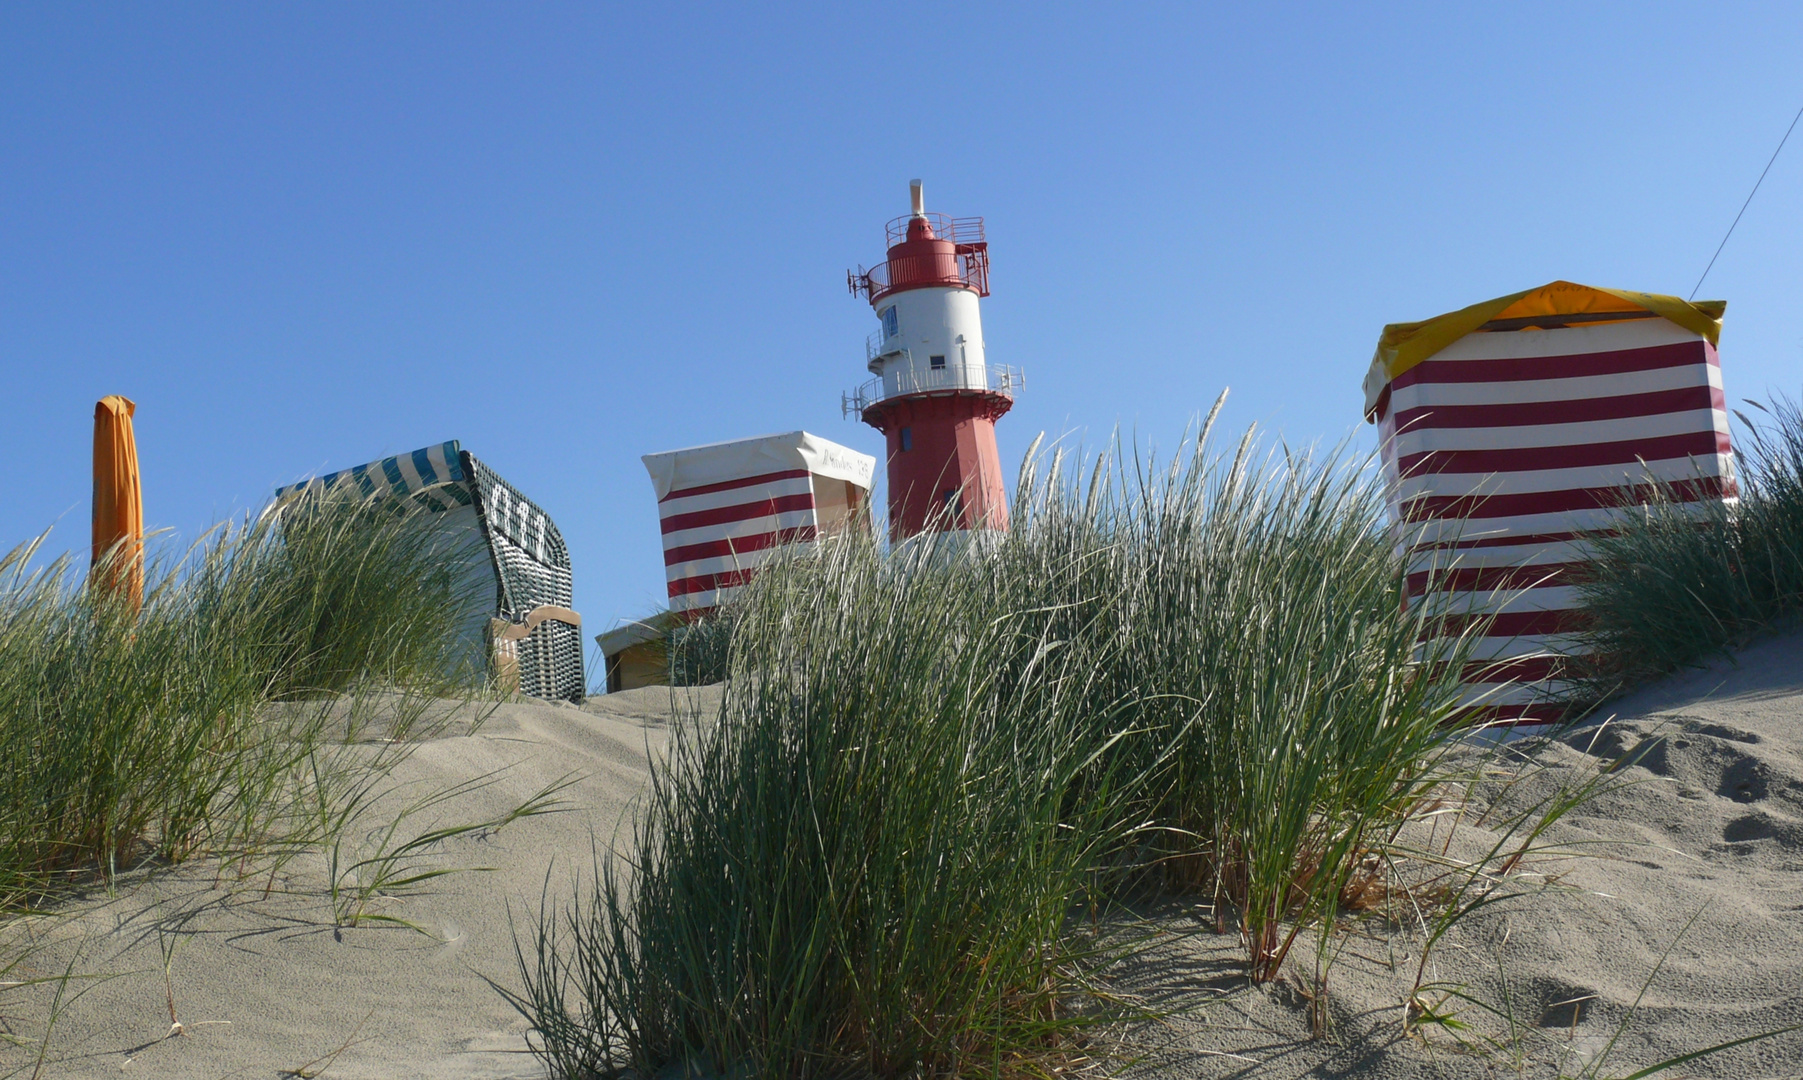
[700,652]
[1681,581]
[1248,608]
[935,768]
[862,864]
[130,734]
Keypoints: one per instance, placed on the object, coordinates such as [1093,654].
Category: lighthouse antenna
[917,196]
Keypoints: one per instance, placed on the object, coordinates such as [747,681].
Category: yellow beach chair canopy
[1559,303]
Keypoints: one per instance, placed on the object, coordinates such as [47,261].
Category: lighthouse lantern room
[935,397]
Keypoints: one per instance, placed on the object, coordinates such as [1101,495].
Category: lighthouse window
[907,438]
[891,326]
[938,362]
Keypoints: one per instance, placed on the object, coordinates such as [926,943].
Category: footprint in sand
[1746,780]
[1761,825]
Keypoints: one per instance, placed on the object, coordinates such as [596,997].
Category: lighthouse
[935,397]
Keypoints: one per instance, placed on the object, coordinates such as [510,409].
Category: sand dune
[268,984]
[1709,824]
[1712,827]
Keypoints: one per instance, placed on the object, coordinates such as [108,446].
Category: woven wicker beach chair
[532,637]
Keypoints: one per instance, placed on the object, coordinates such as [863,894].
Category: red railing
[961,230]
[967,266]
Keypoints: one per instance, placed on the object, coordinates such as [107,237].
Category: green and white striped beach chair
[534,639]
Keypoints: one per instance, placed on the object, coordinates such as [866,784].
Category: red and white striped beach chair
[728,508]
[1516,428]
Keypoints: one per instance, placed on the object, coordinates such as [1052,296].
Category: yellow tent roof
[1403,345]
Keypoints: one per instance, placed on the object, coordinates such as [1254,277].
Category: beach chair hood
[1560,303]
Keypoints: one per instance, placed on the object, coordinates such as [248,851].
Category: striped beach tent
[727,508]
[1516,429]
[527,631]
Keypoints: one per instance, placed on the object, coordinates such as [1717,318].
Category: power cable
[1749,202]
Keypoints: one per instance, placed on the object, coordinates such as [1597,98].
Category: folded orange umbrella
[118,500]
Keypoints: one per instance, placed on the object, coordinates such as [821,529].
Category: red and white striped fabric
[727,509]
[716,536]
[1507,448]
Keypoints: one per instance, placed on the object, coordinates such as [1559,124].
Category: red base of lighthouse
[944,469]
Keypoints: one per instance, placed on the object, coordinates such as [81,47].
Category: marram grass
[129,735]
[1680,582]
[935,769]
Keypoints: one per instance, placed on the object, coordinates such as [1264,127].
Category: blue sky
[305,236]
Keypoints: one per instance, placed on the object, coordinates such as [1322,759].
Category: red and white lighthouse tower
[934,398]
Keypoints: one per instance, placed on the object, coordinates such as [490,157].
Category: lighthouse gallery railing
[1000,379]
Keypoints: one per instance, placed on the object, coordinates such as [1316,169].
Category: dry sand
[266,985]
[1715,826]
[1710,825]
